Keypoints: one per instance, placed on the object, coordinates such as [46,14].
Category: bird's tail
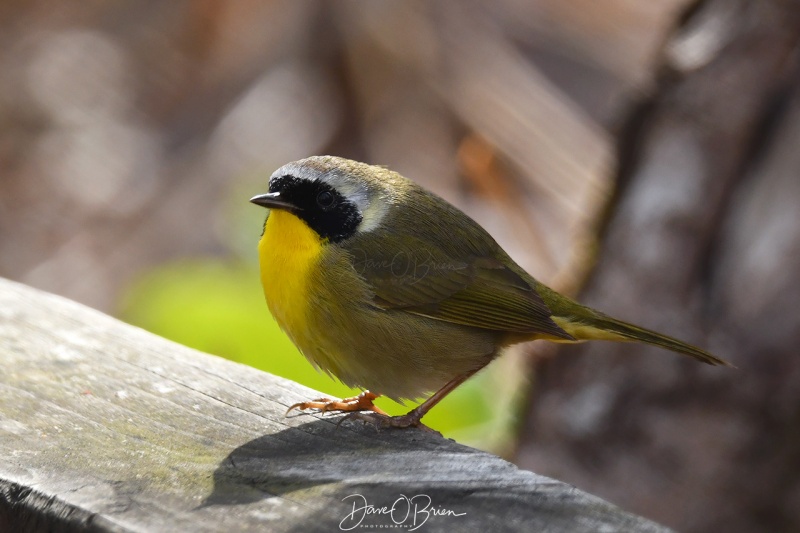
[584,323]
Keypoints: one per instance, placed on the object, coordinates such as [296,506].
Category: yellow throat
[288,252]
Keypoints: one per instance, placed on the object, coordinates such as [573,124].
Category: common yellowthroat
[391,289]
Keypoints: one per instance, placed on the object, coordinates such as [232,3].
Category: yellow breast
[288,252]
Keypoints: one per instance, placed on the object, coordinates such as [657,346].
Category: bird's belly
[393,353]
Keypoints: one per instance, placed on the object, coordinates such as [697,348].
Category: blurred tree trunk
[703,242]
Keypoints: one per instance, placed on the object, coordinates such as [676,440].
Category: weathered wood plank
[105,427]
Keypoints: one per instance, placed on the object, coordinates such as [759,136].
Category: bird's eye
[325,200]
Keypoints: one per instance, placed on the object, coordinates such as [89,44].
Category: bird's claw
[362,402]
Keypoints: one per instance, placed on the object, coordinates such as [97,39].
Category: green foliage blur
[217,306]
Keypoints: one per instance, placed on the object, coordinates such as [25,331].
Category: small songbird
[392,290]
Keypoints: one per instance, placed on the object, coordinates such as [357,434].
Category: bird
[394,291]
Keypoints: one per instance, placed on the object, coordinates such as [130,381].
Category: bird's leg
[413,417]
[362,402]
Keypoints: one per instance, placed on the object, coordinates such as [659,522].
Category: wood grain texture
[105,427]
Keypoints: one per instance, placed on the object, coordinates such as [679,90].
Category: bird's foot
[362,402]
[384,421]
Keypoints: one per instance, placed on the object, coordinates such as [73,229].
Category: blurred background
[639,155]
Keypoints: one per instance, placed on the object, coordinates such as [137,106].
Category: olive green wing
[478,291]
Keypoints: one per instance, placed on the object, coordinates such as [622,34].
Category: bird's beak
[272,200]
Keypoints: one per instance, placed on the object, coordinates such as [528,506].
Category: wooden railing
[105,427]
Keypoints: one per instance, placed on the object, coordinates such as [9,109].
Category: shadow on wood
[105,427]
